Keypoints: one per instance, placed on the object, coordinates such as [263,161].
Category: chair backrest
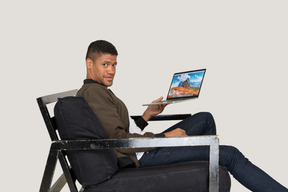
[88,167]
[68,176]
[49,121]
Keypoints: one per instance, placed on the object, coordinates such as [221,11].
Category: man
[101,62]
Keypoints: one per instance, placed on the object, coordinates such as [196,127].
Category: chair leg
[49,171]
[59,184]
[67,173]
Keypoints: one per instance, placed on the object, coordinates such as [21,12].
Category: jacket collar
[87,81]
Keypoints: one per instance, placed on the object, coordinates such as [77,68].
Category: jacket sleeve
[141,123]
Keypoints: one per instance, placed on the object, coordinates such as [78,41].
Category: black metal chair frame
[58,147]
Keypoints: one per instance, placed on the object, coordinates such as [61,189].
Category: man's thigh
[168,155]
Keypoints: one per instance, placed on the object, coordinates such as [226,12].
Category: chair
[58,150]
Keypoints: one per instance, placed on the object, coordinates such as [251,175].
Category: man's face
[103,69]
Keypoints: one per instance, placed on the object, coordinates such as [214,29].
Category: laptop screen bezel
[186,97]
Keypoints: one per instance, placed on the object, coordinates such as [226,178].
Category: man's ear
[89,63]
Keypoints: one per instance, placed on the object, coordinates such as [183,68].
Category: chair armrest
[98,144]
[165,117]
[141,142]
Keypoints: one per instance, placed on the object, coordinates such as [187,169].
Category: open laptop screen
[186,84]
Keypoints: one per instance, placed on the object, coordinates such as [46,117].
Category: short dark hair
[100,47]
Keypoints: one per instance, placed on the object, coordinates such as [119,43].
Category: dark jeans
[230,157]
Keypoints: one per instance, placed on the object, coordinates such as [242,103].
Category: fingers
[164,105]
[158,100]
[154,110]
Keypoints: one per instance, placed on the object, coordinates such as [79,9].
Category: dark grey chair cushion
[75,120]
[180,177]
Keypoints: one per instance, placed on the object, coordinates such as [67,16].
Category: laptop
[185,85]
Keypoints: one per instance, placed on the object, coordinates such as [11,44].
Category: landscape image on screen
[186,84]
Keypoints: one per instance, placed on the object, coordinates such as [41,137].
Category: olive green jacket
[113,115]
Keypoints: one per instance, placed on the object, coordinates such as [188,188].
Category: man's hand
[176,133]
[153,110]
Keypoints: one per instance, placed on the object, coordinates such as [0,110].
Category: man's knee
[205,114]
[208,118]
[228,156]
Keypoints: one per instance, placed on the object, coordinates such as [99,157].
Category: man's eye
[105,64]
[114,65]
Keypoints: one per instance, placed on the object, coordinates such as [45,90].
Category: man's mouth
[109,78]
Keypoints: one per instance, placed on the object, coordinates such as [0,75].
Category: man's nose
[111,70]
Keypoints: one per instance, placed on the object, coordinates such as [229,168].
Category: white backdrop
[243,45]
